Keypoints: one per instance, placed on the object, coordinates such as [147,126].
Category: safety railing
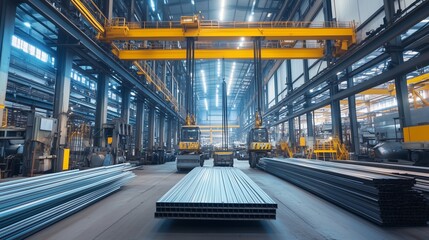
[212,24]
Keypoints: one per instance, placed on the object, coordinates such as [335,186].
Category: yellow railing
[331,149]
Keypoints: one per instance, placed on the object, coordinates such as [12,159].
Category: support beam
[62,97]
[139,127]
[336,114]
[309,115]
[151,130]
[161,130]
[101,109]
[125,104]
[180,54]
[170,130]
[7,25]
[395,50]
[355,146]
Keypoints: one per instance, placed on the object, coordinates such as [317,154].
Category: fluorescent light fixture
[133,93]
[203,77]
[269,14]
[152,5]
[231,76]
[206,104]
[27,24]
[159,17]
[222,10]
[217,95]
[250,18]
[193,2]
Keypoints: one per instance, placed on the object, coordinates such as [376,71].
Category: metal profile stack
[216,193]
[31,204]
[385,199]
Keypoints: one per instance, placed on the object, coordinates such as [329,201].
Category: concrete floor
[128,214]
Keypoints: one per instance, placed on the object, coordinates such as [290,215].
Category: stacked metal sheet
[31,204]
[216,193]
[383,198]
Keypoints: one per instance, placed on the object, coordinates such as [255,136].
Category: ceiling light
[269,15]
[205,103]
[152,5]
[222,10]
[27,24]
[250,18]
[193,2]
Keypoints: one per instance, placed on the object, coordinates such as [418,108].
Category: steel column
[7,25]
[139,126]
[169,132]
[125,104]
[62,97]
[151,130]
[355,147]
[309,115]
[101,109]
[161,130]
[289,85]
[336,113]
[395,50]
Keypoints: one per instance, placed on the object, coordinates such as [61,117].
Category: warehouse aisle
[128,214]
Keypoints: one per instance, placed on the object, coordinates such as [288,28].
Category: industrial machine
[257,142]
[416,142]
[189,146]
[117,136]
[11,151]
[410,143]
[39,139]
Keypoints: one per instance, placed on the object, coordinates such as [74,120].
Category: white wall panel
[297,67]
[281,80]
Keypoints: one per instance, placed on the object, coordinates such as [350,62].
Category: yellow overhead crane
[118,29]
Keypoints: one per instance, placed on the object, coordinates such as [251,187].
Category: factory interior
[214,119]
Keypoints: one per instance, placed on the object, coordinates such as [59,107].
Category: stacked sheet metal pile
[216,193]
[31,204]
[385,199]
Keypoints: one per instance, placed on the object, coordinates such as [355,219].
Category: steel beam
[357,53]
[151,130]
[53,15]
[355,146]
[169,133]
[7,25]
[139,126]
[101,109]
[395,50]
[180,54]
[161,130]
[62,98]
[125,104]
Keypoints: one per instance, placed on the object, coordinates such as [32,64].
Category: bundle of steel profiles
[31,204]
[383,198]
[421,174]
[216,193]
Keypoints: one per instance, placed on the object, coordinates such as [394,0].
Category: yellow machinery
[189,146]
[329,149]
[416,140]
[257,142]
[284,149]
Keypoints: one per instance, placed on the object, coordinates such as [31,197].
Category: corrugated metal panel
[216,193]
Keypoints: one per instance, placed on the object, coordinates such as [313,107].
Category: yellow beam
[376,91]
[232,33]
[418,79]
[180,54]
[88,15]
